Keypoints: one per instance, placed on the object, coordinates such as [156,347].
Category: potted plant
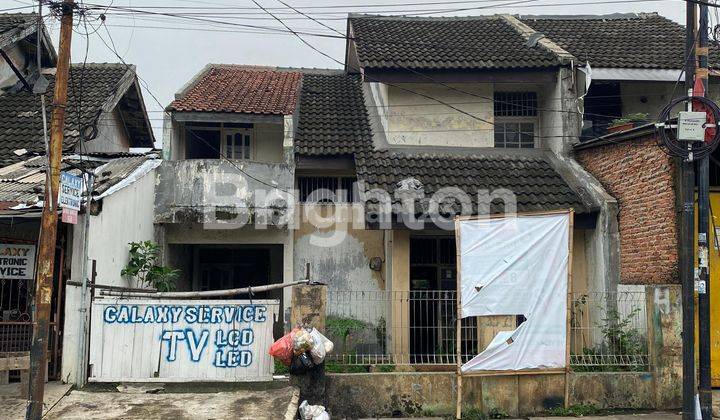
[627,122]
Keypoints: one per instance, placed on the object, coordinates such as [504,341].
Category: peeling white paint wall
[126,216]
[416,120]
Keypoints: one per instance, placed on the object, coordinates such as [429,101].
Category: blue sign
[70,194]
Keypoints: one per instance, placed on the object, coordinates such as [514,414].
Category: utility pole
[48,227]
[703,182]
[687,236]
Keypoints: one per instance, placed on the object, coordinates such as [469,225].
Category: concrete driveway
[197,402]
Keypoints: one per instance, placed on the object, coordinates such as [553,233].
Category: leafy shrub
[143,268]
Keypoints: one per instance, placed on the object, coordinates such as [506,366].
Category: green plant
[334,367]
[342,327]
[473,413]
[620,336]
[280,368]
[578,410]
[497,413]
[637,117]
[142,266]
[385,368]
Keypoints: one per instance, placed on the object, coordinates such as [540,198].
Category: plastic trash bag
[301,364]
[302,341]
[282,349]
[322,346]
[312,412]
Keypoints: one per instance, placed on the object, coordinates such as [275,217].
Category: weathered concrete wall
[126,217]
[633,390]
[309,305]
[664,310]
[338,250]
[435,393]
[416,120]
[216,191]
[647,97]
[268,143]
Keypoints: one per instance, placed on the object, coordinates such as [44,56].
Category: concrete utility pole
[48,227]
[703,182]
[687,236]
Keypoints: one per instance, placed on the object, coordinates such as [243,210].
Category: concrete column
[309,306]
[664,312]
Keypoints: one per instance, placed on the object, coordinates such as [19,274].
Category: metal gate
[145,340]
[16,324]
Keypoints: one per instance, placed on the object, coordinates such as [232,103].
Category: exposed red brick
[641,177]
[241,89]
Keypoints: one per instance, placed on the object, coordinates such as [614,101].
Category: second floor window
[237,144]
[515,119]
[320,189]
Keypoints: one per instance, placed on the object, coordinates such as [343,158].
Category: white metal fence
[608,330]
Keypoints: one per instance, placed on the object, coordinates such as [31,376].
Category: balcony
[221,191]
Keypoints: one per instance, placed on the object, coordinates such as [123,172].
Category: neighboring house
[18,42]
[225,185]
[105,118]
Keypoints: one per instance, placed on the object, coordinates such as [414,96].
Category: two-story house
[367,166]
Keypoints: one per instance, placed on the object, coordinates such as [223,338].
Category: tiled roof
[23,183]
[646,41]
[332,116]
[333,120]
[241,89]
[457,43]
[21,117]
[116,170]
[529,175]
[10,21]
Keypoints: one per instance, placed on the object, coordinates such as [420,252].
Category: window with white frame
[237,143]
[515,119]
[219,140]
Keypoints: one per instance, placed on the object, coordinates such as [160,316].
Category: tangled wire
[668,136]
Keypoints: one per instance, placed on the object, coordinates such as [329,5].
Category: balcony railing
[221,191]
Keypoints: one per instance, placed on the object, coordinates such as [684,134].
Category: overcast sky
[168,51]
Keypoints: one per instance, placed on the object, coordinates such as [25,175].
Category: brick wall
[641,177]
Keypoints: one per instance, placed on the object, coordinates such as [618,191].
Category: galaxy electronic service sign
[17,261]
[181,340]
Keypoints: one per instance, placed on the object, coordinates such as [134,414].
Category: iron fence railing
[608,330]
[397,327]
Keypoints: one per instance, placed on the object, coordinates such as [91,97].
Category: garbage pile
[301,349]
[312,412]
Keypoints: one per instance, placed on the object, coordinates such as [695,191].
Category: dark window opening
[202,143]
[218,267]
[602,105]
[515,104]
[320,189]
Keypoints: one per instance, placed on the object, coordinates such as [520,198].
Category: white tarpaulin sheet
[517,266]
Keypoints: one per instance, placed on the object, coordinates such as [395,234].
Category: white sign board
[181,340]
[17,261]
[517,266]
[70,191]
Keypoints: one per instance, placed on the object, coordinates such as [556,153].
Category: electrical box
[691,126]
